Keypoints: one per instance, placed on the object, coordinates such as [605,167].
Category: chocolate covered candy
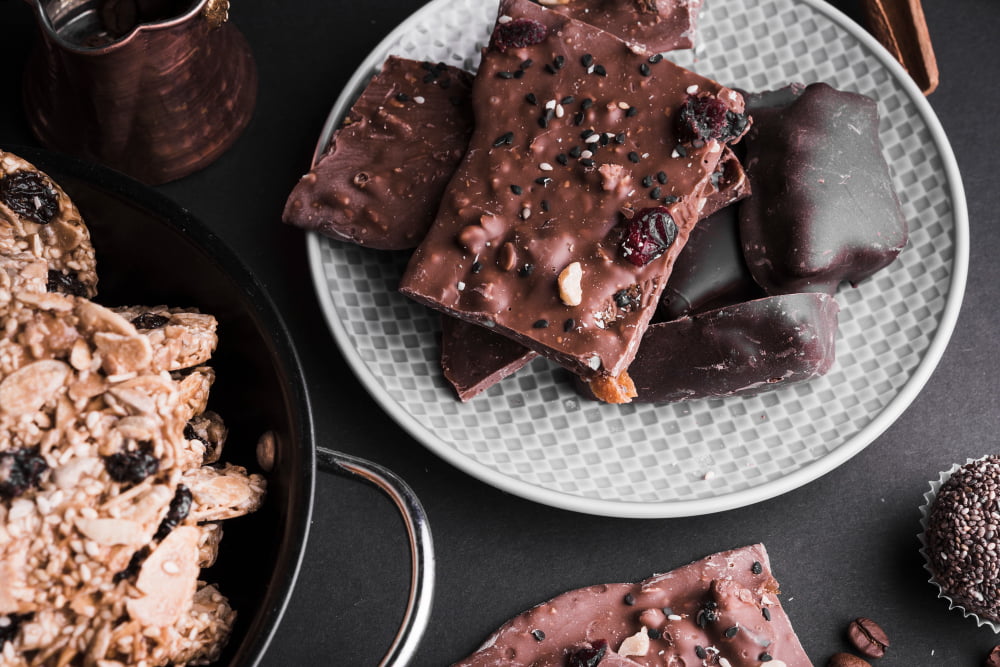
[738,349]
[823,209]
[721,610]
[569,122]
[656,25]
[380,182]
[474,358]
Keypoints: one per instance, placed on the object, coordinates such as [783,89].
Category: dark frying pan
[151,251]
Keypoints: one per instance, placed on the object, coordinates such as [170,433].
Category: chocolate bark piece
[739,349]
[474,358]
[823,209]
[723,609]
[656,25]
[381,180]
[552,177]
[710,272]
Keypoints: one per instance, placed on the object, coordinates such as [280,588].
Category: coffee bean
[993,659]
[846,660]
[867,637]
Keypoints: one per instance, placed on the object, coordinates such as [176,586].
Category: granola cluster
[111,489]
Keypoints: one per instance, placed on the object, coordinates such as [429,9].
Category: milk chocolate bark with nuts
[381,180]
[570,122]
[721,610]
[823,209]
[657,25]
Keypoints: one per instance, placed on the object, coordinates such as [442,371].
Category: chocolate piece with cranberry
[381,180]
[721,610]
[568,127]
[823,209]
[656,25]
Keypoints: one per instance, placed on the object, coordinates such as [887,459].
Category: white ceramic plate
[531,435]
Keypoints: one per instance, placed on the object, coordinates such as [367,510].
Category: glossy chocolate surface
[474,358]
[722,608]
[738,349]
[657,25]
[823,209]
[514,216]
[381,180]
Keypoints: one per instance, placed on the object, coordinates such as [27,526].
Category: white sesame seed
[692,89]
[525,212]
[674,617]
[551,104]
[594,138]
[586,154]
[419,100]
[545,166]
[560,111]
[461,285]
[505,19]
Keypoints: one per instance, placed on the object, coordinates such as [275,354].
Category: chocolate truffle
[381,180]
[721,610]
[823,208]
[656,25]
[567,126]
[961,537]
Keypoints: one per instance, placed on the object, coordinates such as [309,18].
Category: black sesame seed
[756,568]
[550,114]
[517,189]
[562,158]
[586,103]
[731,632]
[505,75]
[569,99]
[402,97]
[569,325]
[476,267]
[559,62]
[632,111]
[506,138]
[661,176]
[587,60]
[600,71]
[541,324]
[518,74]
[527,63]
[538,635]
[526,270]
[670,199]
[586,133]
[681,150]
[647,181]
[633,156]
[667,611]
[700,651]
[545,204]
[543,180]
[654,633]
[655,192]
[620,139]
[576,151]
[644,69]
[765,657]
[543,121]
[578,118]
[587,162]
[655,58]
[427,65]
[629,599]
[766,613]
[430,77]
[530,98]
[550,68]
[604,140]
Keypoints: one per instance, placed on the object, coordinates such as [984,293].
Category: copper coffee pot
[156,89]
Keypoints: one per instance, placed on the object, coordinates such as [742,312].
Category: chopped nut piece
[637,644]
[570,290]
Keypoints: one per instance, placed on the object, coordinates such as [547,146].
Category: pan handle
[418,607]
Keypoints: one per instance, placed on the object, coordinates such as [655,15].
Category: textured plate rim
[673,508]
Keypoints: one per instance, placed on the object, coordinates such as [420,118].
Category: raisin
[180,506]
[133,566]
[191,434]
[648,235]
[149,321]
[588,656]
[518,33]
[131,467]
[30,195]
[20,469]
[65,283]
[9,625]
[707,117]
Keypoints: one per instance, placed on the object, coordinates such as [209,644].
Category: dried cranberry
[518,33]
[30,195]
[648,235]
[707,117]
[588,656]
[133,566]
[20,469]
[131,467]
[9,625]
[149,321]
[65,283]
[180,506]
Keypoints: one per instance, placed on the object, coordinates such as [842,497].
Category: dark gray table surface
[842,546]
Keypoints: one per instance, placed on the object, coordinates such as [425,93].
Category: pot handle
[418,607]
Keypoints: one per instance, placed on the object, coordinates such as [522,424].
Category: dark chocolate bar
[380,182]
[474,358]
[656,25]
[823,209]
[722,610]
[549,233]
